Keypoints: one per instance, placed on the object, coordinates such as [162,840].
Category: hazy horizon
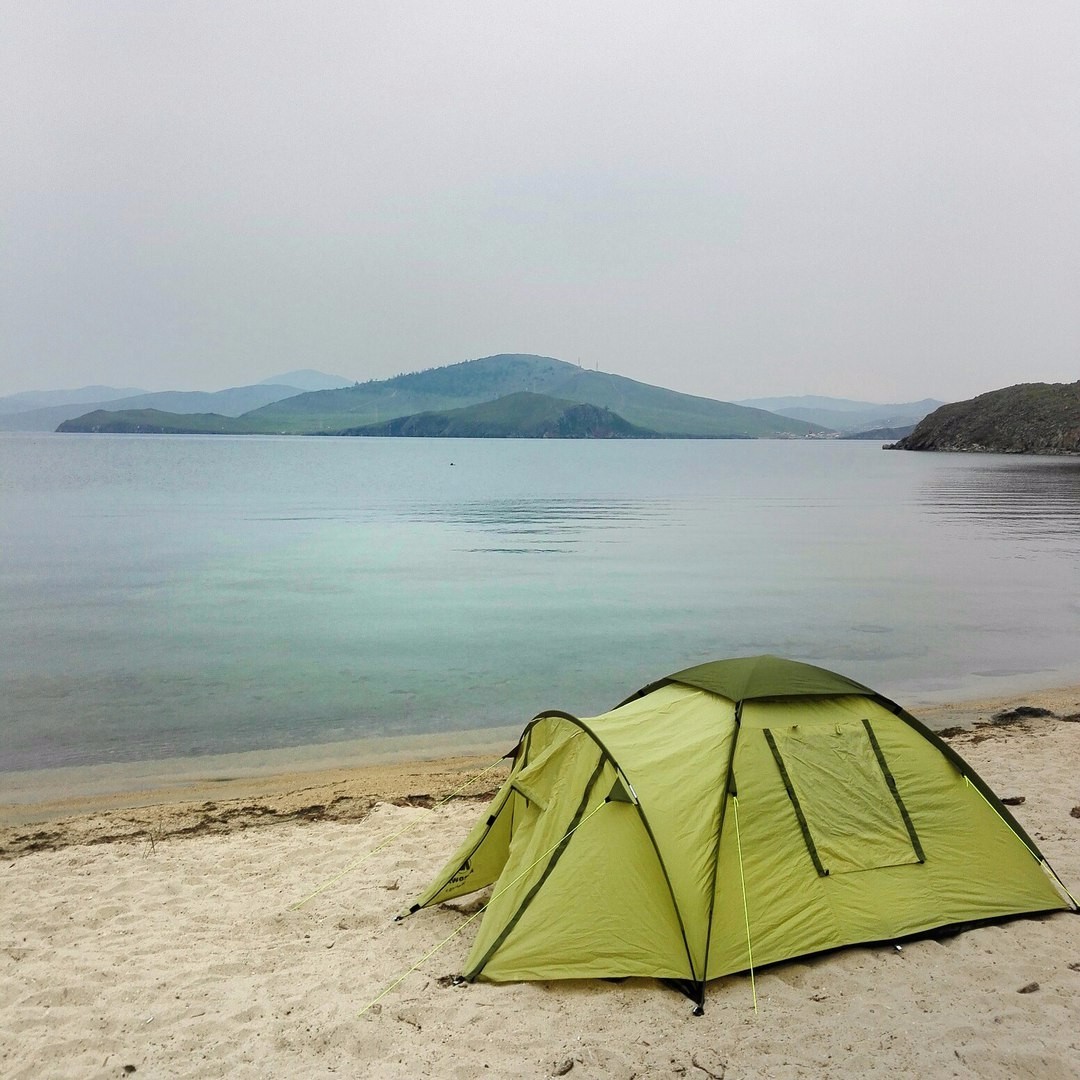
[736,201]
[281,378]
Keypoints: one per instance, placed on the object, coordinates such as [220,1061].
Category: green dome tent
[734,814]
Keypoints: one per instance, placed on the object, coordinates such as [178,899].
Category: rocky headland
[1030,418]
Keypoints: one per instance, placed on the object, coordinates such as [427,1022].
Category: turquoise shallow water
[178,596]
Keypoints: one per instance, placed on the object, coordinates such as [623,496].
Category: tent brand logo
[619,846]
[462,875]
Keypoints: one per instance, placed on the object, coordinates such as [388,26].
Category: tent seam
[721,817]
[606,754]
[556,855]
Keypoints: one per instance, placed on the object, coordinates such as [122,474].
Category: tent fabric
[746,678]
[613,848]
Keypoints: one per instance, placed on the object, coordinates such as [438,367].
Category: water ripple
[1036,500]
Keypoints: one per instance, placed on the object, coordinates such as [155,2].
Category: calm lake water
[174,596]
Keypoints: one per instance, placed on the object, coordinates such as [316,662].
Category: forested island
[517,416]
[511,395]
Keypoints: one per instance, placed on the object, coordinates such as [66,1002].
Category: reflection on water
[547,525]
[1034,500]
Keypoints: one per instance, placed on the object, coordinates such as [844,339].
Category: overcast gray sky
[876,199]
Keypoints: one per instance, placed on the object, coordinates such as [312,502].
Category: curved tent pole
[980,785]
[556,852]
[519,758]
[721,815]
[648,832]
[605,756]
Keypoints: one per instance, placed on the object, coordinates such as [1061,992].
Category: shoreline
[254,771]
[46,810]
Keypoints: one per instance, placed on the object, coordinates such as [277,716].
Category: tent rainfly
[734,814]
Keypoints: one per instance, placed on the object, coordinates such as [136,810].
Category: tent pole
[716,849]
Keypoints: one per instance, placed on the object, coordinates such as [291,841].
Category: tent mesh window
[850,812]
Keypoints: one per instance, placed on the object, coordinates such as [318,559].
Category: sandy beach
[155,933]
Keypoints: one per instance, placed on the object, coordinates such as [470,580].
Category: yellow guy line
[476,914]
[296,905]
[746,909]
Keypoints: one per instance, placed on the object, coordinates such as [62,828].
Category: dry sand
[172,949]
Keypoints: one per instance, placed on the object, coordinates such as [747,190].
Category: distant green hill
[235,401]
[1030,418]
[307,379]
[156,422]
[517,416]
[473,382]
[43,399]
